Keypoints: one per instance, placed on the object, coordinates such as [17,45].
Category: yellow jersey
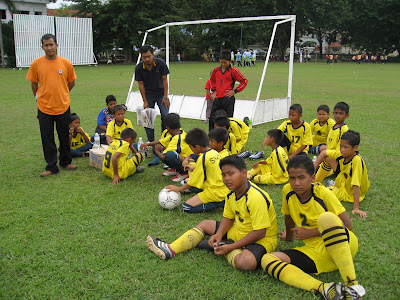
[224,153]
[125,167]
[277,161]
[334,137]
[298,136]
[305,215]
[114,130]
[207,173]
[320,132]
[78,141]
[351,173]
[254,210]
[179,145]
[231,143]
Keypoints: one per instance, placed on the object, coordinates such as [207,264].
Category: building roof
[335,45]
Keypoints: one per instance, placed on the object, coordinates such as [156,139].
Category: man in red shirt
[223,80]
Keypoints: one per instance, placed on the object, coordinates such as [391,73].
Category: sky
[58,4]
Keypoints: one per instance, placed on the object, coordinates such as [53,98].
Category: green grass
[75,235]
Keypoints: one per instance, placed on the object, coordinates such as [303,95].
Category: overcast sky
[57,4]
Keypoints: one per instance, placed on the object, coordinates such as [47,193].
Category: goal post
[259,111]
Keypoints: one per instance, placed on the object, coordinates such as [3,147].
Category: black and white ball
[169,199]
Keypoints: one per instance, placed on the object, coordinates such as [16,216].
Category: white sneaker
[179,177]
[183,182]
[170,172]
[354,292]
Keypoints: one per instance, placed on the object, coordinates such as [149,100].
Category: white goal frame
[258,111]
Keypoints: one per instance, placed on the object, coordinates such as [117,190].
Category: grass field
[75,236]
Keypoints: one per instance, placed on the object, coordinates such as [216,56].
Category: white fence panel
[28,30]
[75,40]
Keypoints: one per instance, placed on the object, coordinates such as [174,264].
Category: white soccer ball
[169,199]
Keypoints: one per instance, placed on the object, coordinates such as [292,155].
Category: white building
[27,7]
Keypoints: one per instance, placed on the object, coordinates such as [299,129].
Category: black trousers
[227,104]
[46,123]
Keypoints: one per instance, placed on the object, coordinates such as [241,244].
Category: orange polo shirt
[53,77]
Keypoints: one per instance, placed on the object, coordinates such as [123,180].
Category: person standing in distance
[151,75]
[52,77]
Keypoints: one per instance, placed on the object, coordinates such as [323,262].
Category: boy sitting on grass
[165,138]
[352,182]
[223,122]
[298,132]
[217,141]
[115,164]
[320,128]
[340,113]
[206,176]
[314,215]
[106,115]
[247,230]
[273,169]
[176,150]
[117,125]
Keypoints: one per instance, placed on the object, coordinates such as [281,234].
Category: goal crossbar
[258,109]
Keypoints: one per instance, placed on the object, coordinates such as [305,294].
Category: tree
[375,27]
[11,8]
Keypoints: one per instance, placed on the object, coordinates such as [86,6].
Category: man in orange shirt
[52,77]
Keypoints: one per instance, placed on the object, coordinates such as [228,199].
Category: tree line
[371,26]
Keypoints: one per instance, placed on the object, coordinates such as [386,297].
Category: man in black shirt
[151,75]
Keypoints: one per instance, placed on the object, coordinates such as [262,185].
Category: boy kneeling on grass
[247,231]
[206,176]
[115,164]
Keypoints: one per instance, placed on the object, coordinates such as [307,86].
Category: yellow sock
[231,256]
[337,245]
[290,274]
[322,172]
[188,240]
[255,171]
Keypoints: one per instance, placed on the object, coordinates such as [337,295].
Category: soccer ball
[169,199]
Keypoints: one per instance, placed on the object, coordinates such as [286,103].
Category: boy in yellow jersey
[320,128]
[217,141]
[241,131]
[176,149]
[247,230]
[322,165]
[115,164]
[223,122]
[352,182]
[117,125]
[79,140]
[164,140]
[314,215]
[206,176]
[298,132]
[273,169]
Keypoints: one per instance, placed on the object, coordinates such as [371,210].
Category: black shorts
[300,260]
[256,249]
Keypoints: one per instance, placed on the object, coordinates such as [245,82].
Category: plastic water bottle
[96,144]
[314,159]
[250,124]
[139,146]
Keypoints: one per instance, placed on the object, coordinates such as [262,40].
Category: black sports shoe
[160,248]
[245,154]
[334,291]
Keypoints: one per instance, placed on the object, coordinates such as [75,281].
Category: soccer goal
[259,111]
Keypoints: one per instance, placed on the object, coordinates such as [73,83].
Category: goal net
[259,111]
